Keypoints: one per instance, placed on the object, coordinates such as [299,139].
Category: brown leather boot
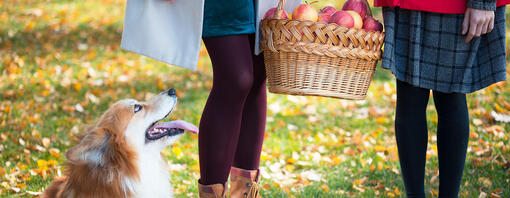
[243,183]
[212,191]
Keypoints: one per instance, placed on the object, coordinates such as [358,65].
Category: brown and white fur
[115,159]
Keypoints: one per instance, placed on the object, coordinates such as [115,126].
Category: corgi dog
[120,156]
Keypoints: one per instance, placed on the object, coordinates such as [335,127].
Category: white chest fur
[154,178]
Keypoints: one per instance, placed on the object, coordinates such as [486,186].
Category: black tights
[411,134]
[234,118]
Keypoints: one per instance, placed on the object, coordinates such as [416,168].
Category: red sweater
[440,6]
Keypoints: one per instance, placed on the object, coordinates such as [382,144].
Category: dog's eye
[138,108]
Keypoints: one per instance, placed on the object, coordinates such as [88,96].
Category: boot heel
[212,191]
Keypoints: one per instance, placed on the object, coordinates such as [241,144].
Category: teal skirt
[228,17]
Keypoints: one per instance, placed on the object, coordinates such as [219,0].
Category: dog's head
[128,128]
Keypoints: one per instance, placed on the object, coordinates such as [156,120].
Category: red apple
[323,18]
[359,6]
[270,14]
[342,18]
[370,24]
[304,12]
[358,21]
[328,10]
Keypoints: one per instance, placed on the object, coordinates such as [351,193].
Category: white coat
[172,32]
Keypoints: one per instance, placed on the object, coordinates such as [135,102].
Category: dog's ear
[92,149]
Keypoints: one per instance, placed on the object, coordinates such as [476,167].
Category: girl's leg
[253,124]
[231,58]
[452,140]
[411,134]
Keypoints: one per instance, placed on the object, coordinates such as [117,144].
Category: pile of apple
[354,14]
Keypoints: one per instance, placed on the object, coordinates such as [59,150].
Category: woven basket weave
[311,58]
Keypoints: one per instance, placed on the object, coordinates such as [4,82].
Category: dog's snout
[171,92]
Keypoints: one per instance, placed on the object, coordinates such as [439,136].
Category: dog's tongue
[180,124]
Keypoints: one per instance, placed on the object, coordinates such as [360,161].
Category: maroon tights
[233,122]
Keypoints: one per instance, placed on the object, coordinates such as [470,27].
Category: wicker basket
[311,58]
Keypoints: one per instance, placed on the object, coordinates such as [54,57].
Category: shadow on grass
[488,177]
[48,41]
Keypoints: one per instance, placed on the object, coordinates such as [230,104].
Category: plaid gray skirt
[428,50]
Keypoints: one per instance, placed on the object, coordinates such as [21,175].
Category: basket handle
[279,9]
[277,15]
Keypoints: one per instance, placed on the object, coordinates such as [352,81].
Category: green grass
[58,55]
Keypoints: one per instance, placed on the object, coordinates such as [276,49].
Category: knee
[240,83]
[451,106]
[243,82]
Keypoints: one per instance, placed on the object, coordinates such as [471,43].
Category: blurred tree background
[61,67]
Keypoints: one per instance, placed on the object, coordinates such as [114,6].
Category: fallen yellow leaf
[325,187]
[46,142]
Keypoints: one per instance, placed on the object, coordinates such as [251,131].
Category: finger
[471,32]
[491,25]
[465,23]
[478,31]
[485,26]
